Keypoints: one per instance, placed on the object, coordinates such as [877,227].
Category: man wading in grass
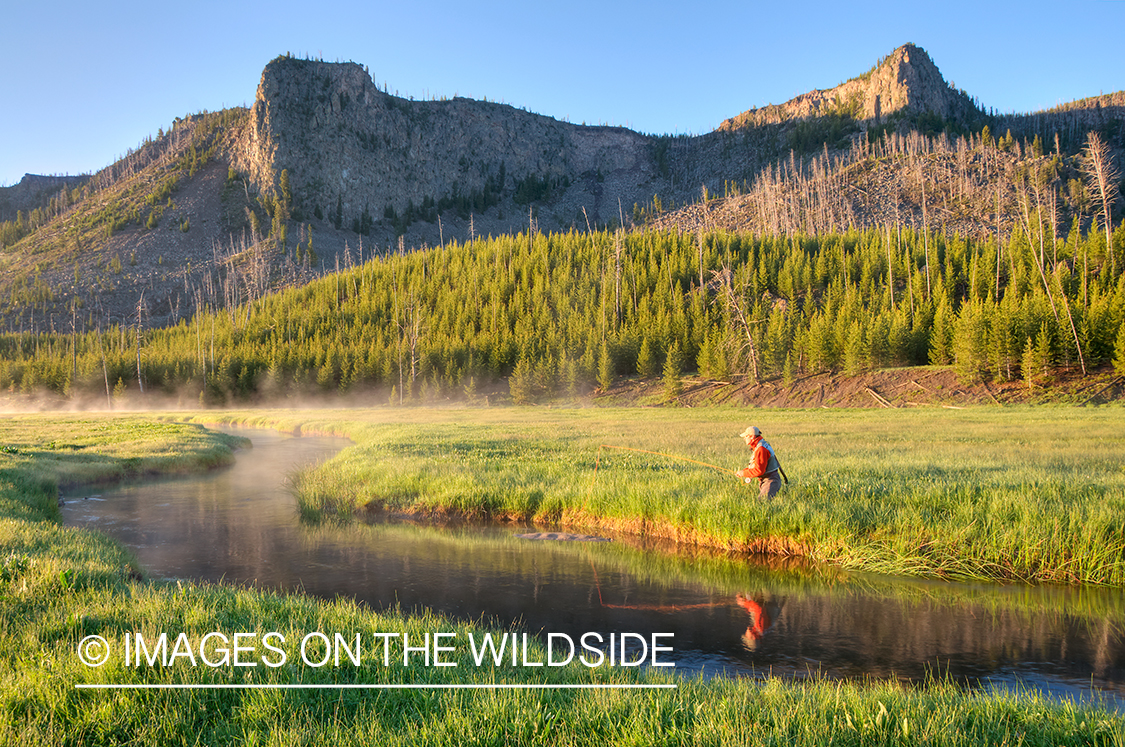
[763,464]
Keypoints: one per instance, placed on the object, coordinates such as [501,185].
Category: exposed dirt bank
[920,386]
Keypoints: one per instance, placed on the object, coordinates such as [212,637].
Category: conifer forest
[563,314]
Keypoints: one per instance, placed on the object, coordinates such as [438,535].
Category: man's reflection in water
[763,614]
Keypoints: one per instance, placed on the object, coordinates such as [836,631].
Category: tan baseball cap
[751,431]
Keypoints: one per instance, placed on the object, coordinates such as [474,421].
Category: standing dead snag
[617,249]
[1025,202]
[408,319]
[1102,177]
[734,308]
[140,320]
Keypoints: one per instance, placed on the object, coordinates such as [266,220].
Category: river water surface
[729,616]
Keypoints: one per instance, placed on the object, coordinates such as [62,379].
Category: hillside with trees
[890,221]
[327,170]
[542,317]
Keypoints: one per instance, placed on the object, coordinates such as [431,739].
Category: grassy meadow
[61,584]
[1015,494]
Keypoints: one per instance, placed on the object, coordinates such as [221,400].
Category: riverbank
[1013,494]
[61,585]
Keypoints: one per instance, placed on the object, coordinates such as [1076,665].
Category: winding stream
[729,615]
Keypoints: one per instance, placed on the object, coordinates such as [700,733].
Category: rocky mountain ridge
[906,81]
[326,169]
[32,191]
[351,147]
[375,153]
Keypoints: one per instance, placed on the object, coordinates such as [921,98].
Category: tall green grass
[1014,494]
[59,585]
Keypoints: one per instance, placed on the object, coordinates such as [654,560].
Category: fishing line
[597,461]
[649,607]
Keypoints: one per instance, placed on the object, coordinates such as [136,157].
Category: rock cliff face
[907,80]
[354,152]
[347,144]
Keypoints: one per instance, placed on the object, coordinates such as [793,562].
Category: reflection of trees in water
[886,637]
[1107,648]
[647,607]
[839,626]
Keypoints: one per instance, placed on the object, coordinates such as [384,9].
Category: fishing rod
[597,461]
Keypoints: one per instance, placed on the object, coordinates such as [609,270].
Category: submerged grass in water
[59,585]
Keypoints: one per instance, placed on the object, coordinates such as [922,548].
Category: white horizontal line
[470,686]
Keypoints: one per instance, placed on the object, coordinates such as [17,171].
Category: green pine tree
[573,373]
[703,359]
[1028,364]
[605,368]
[646,361]
[673,368]
[940,333]
[286,193]
[521,382]
[970,343]
[1036,359]
[854,353]
[1119,352]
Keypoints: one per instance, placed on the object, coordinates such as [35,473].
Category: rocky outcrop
[354,152]
[348,145]
[905,81]
[33,191]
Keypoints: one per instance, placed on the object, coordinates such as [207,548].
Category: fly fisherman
[763,464]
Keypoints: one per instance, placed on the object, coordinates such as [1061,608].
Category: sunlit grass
[59,585]
[1015,494]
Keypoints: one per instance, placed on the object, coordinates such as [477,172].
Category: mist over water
[729,616]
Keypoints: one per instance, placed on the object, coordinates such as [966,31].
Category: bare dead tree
[1025,203]
[105,368]
[738,316]
[890,267]
[617,277]
[1053,203]
[1037,186]
[140,319]
[699,245]
[413,332]
[74,341]
[999,244]
[1103,178]
[408,319]
[200,350]
[925,226]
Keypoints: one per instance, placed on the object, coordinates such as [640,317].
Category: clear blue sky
[84,81]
